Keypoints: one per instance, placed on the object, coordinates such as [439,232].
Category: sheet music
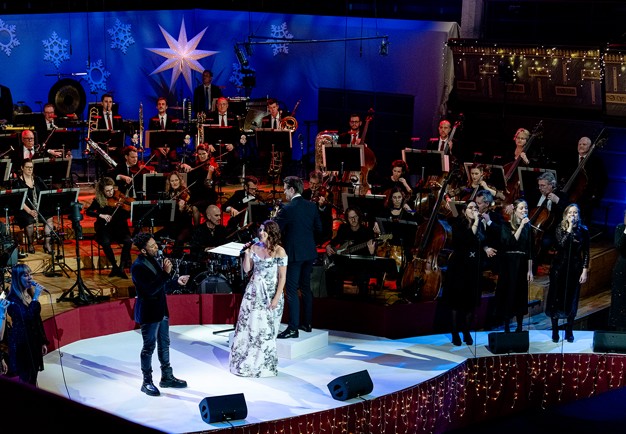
[229,249]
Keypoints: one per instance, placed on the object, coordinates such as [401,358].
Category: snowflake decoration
[280,32]
[7,33]
[97,76]
[181,56]
[236,78]
[120,36]
[55,49]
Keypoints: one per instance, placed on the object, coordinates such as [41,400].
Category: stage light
[241,57]
[384,47]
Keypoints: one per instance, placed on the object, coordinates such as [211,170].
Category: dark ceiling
[430,10]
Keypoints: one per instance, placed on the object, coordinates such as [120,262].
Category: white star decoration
[182,55]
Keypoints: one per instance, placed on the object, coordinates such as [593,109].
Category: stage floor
[104,373]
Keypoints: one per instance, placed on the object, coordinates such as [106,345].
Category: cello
[422,277]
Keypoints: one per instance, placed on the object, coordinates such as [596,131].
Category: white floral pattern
[253,347]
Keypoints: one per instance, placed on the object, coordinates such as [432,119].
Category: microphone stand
[50,270]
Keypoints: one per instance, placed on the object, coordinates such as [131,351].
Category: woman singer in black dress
[568,271]
[462,280]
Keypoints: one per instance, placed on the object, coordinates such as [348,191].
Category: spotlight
[384,47]
[241,56]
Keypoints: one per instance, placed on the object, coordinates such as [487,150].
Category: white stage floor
[105,373]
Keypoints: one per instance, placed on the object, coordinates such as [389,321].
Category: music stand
[371,205]
[5,169]
[258,212]
[111,139]
[156,212]
[528,184]
[153,185]
[56,202]
[269,140]
[63,139]
[54,171]
[495,178]
[425,163]
[158,139]
[214,134]
[341,159]
[11,202]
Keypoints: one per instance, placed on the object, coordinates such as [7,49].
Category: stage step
[296,347]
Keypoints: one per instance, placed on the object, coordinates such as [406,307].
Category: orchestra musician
[162,121]
[521,137]
[28,217]
[439,143]
[209,235]
[128,176]
[476,182]
[204,94]
[322,196]
[111,209]
[180,228]
[462,289]
[397,206]
[108,120]
[201,179]
[353,233]
[28,150]
[588,189]
[554,201]
[272,120]
[228,152]
[516,269]
[167,160]
[238,202]
[399,170]
[353,135]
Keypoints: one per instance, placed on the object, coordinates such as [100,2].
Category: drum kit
[217,274]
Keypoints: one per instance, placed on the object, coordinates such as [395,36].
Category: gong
[68,96]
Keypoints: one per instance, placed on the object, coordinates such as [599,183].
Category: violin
[119,200]
[141,168]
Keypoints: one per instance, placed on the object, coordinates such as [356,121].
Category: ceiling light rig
[269,40]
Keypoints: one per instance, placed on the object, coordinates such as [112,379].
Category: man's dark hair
[141,239]
[106,95]
[295,182]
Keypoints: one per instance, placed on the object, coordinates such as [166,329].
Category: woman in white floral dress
[253,347]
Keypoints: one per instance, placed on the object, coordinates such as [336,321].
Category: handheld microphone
[42,288]
[249,244]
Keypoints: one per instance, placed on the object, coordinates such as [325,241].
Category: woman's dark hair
[402,164]
[391,191]
[273,234]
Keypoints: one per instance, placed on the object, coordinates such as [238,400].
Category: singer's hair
[295,182]
[515,221]
[273,235]
[564,223]
[462,216]
[17,287]
[141,240]
[100,186]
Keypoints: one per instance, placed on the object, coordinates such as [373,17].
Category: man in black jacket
[152,282]
[299,222]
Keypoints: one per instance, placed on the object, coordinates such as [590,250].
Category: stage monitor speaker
[609,342]
[351,385]
[223,408]
[502,343]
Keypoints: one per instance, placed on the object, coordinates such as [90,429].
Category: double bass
[369,157]
[511,177]
[422,278]
[577,183]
